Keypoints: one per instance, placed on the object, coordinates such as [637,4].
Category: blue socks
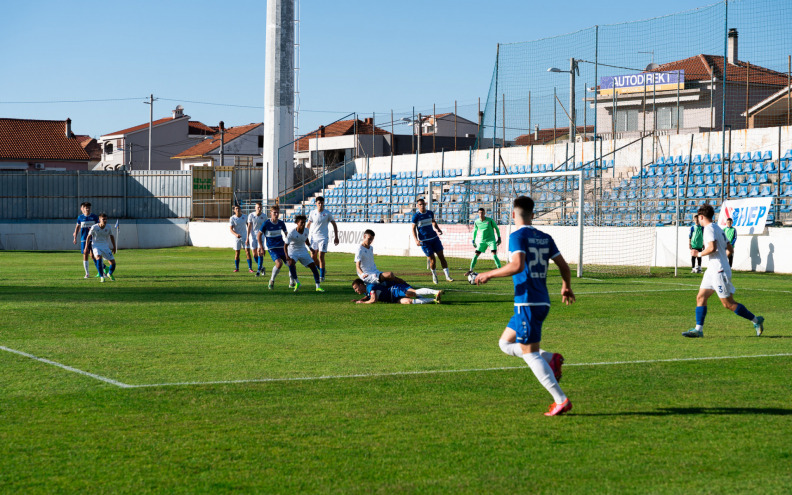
[293,271]
[701,313]
[321,273]
[112,268]
[315,274]
[236,264]
[99,267]
[743,311]
[250,264]
[259,262]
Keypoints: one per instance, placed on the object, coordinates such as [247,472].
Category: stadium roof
[26,139]
[699,67]
[340,128]
[208,145]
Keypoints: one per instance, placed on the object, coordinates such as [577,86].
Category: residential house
[341,141]
[27,144]
[242,146]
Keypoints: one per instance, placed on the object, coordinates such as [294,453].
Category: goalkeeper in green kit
[486,235]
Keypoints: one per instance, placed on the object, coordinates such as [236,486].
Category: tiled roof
[142,126]
[23,139]
[201,128]
[340,128]
[90,146]
[698,68]
[211,144]
[547,135]
[448,116]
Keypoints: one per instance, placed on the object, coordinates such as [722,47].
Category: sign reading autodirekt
[635,83]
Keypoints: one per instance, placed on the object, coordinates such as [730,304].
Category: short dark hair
[707,210]
[275,208]
[420,200]
[357,281]
[237,206]
[482,209]
[319,199]
[729,220]
[524,204]
[299,217]
[85,204]
[258,203]
[103,215]
[369,232]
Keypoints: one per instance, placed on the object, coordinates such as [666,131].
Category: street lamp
[573,68]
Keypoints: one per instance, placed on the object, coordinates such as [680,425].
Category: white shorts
[239,244]
[370,278]
[103,251]
[303,257]
[320,245]
[253,243]
[719,282]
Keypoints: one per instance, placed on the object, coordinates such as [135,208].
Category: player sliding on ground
[401,293]
[365,266]
[273,231]
[297,241]
[425,231]
[486,235]
[238,227]
[530,250]
[99,239]
[717,278]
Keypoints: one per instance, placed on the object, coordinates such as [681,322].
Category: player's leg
[98,264]
[236,260]
[390,277]
[312,266]
[476,254]
[85,259]
[703,295]
[430,258]
[740,310]
[444,264]
[275,271]
[321,264]
[509,346]
[495,255]
[249,262]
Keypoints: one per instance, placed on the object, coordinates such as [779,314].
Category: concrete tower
[279,99]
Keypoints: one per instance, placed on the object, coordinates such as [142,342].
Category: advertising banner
[635,83]
[748,215]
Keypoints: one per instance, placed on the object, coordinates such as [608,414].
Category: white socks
[421,300]
[434,272]
[85,265]
[426,292]
[510,348]
[545,375]
[447,272]
[275,271]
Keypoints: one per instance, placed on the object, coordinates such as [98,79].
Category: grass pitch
[347,412]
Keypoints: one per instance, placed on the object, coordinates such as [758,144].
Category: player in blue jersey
[425,231]
[272,232]
[395,293]
[85,221]
[530,250]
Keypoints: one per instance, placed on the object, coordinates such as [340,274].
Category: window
[108,148]
[261,141]
[627,120]
[667,117]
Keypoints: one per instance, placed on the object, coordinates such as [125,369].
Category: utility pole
[150,103]
[222,143]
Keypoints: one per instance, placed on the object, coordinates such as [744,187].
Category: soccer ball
[472,278]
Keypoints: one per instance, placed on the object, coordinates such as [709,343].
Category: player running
[696,245]
[273,231]
[717,278]
[425,231]
[85,221]
[731,236]
[486,235]
[400,293]
[238,228]
[530,250]
[99,239]
[365,266]
[317,226]
[254,222]
[297,240]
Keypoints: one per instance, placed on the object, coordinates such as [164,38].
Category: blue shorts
[527,322]
[432,246]
[278,252]
[82,245]
[397,291]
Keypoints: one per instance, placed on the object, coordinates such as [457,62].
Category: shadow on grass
[710,411]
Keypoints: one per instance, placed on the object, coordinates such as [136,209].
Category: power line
[69,101]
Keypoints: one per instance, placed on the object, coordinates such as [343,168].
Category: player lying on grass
[388,292]
[273,231]
[531,250]
[238,227]
[100,237]
[85,221]
[717,278]
[297,242]
[254,222]
[365,266]
[425,231]
[486,236]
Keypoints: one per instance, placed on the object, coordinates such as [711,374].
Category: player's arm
[76,230]
[497,231]
[475,229]
[371,299]
[260,242]
[335,231]
[415,233]
[112,240]
[567,296]
[436,227]
[231,228]
[249,228]
[516,265]
[87,243]
[357,267]
[709,249]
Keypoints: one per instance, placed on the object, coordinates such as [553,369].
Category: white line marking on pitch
[576,292]
[436,372]
[68,368]
[697,285]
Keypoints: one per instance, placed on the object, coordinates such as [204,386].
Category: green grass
[180,315]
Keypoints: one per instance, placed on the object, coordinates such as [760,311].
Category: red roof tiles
[340,128]
[142,126]
[698,68]
[211,144]
[24,139]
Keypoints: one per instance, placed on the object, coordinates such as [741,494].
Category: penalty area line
[67,368]
[437,372]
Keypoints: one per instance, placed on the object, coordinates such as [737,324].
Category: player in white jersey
[238,227]
[254,223]
[366,267]
[717,278]
[297,242]
[318,220]
[101,238]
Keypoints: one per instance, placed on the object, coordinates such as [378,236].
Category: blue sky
[357,56]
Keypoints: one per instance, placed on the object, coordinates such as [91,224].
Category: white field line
[576,292]
[437,372]
[697,285]
[67,368]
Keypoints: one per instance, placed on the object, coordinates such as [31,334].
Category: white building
[241,145]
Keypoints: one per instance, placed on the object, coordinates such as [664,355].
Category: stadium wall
[754,253]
